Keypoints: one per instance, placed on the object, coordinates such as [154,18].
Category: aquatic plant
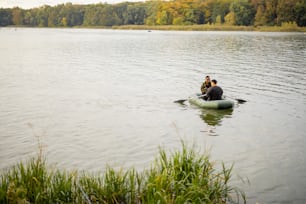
[183,176]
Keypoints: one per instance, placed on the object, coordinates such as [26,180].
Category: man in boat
[206,84]
[215,92]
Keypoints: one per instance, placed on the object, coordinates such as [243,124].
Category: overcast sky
[36,3]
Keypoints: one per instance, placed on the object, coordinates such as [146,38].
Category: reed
[183,176]
[187,176]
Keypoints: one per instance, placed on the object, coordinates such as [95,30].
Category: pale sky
[25,4]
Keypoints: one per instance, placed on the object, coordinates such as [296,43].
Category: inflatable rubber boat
[218,104]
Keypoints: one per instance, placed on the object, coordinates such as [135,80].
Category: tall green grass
[183,176]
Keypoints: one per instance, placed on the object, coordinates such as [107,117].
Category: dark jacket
[214,93]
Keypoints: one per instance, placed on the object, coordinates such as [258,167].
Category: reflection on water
[215,117]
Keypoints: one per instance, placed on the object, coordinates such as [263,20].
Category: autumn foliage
[177,12]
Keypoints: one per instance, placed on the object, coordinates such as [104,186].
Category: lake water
[96,97]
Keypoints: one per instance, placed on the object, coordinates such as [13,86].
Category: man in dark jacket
[214,92]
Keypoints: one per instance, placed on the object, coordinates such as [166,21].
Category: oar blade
[240,100]
[181,101]
[237,99]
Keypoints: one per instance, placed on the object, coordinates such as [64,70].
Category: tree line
[158,12]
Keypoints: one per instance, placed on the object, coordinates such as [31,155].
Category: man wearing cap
[206,84]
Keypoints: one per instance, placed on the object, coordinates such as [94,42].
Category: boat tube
[217,104]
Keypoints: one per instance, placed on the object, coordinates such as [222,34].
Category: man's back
[214,93]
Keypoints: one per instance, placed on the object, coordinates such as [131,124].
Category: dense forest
[176,12]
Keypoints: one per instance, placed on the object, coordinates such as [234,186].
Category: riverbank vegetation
[285,27]
[184,176]
[259,15]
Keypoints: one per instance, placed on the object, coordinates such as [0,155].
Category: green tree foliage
[135,14]
[151,12]
[219,9]
[271,12]
[300,10]
[6,17]
[29,18]
[244,12]
[161,12]
[109,16]
[92,15]
[42,17]
[285,11]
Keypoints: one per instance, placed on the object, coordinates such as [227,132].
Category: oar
[183,100]
[237,99]
[240,100]
[200,96]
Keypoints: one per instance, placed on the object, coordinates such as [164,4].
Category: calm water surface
[97,97]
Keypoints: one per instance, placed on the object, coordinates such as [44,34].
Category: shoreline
[205,27]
